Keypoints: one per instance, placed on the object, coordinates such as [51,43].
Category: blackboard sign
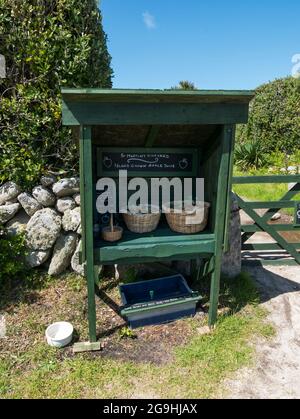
[147,162]
[297,214]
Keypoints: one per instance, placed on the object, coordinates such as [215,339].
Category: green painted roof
[156,96]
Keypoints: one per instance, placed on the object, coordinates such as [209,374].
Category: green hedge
[274,117]
[47,45]
[12,257]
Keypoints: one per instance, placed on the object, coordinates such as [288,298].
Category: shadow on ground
[270,284]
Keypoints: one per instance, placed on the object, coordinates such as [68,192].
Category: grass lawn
[260,191]
[174,360]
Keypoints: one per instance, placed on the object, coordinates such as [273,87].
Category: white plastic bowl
[59,334]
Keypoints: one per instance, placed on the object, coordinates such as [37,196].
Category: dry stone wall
[49,215]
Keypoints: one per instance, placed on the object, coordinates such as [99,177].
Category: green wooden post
[86,176]
[221,209]
[229,200]
[82,195]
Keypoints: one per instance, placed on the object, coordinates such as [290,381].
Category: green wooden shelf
[160,244]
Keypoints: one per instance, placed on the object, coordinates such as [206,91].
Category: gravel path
[277,369]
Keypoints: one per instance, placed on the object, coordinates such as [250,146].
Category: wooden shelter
[197,126]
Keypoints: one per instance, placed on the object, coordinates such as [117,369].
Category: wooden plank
[133,261]
[82,195]
[159,96]
[244,180]
[152,135]
[253,228]
[269,229]
[111,254]
[86,347]
[98,113]
[229,188]
[270,204]
[220,219]
[266,246]
[160,235]
[86,143]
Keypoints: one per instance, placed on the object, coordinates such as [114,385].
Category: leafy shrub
[185,85]
[249,156]
[274,119]
[47,45]
[12,256]
[279,160]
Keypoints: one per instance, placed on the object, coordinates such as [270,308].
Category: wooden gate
[283,251]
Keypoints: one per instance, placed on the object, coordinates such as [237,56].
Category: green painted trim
[144,95]
[170,250]
[229,188]
[82,195]
[266,246]
[220,221]
[159,259]
[270,204]
[126,311]
[160,235]
[106,113]
[87,172]
[244,180]
[253,228]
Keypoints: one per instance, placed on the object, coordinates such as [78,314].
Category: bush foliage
[47,44]
[12,256]
[249,156]
[274,119]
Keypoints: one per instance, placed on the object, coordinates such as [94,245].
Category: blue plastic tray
[157,301]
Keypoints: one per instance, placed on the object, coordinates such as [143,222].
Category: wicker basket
[180,223]
[142,220]
[112,235]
